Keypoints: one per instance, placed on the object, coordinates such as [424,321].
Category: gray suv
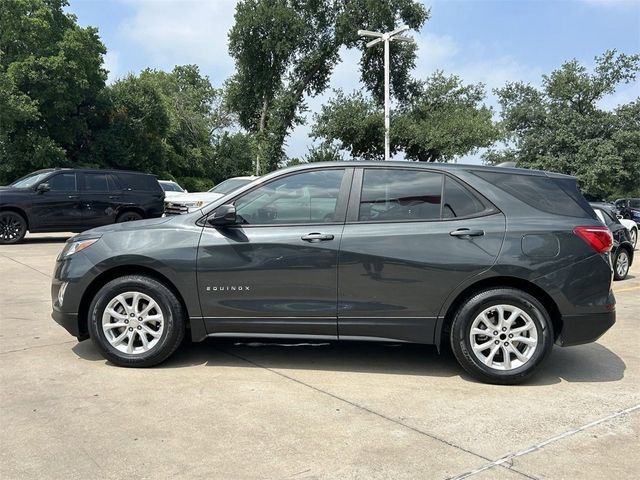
[501,263]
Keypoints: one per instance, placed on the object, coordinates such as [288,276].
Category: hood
[8,188]
[149,223]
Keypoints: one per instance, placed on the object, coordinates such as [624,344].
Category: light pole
[386,38]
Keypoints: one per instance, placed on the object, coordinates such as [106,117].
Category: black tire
[171,309]
[13,227]
[129,216]
[620,272]
[478,303]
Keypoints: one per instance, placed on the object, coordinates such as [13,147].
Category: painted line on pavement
[508,458]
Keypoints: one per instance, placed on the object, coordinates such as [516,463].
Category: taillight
[599,238]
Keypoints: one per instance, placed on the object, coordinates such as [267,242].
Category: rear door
[100,197]
[59,208]
[410,238]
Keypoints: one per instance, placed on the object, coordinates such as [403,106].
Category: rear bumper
[584,328]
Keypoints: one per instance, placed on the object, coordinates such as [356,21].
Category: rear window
[459,201]
[138,182]
[551,195]
[400,195]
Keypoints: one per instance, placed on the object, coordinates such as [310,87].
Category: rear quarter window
[557,196]
[138,182]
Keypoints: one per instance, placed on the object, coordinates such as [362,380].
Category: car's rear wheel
[128,217]
[501,335]
[13,227]
[621,265]
[136,321]
[634,237]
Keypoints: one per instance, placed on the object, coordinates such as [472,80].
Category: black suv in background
[498,262]
[73,200]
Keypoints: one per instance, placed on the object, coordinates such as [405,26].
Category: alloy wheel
[622,264]
[10,227]
[133,323]
[503,337]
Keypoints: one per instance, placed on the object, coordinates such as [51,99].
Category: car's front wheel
[621,265]
[136,321]
[13,227]
[501,335]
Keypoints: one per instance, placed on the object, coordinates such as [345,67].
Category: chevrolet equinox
[500,262]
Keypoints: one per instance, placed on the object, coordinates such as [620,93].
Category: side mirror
[43,187]
[620,217]
[224,215]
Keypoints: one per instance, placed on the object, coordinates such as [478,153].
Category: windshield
[30,180]
[230,185]
[171,187]
[634,203]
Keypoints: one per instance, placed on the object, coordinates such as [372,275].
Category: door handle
[465,232]
[317,237]
[114,197]
[73,196]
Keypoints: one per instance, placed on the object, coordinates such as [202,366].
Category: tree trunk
[263,121]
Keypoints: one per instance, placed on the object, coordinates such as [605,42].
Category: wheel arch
[444,324]
[17,210]
[116,272]
[127,209]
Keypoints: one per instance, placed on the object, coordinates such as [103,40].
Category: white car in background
[171,188]
[189,202]
[632,227]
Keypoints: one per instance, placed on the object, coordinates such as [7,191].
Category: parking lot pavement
[249,410]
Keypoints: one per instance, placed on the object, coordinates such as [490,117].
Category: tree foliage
[50,77]
[286,49]
[561,126]
[441,119]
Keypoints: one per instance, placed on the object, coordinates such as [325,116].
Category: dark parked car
[498,262]
[629,208]
[74,200]
[623,247]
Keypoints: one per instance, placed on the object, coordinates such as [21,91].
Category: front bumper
[70,323]
[584,328]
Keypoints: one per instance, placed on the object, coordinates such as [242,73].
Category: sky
[488,41]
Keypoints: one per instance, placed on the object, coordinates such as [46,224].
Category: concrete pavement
[249,410]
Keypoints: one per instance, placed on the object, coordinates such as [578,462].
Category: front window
[634,203]
[63,182]
[309,197]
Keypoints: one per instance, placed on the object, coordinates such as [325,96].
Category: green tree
[134,136]
[441,119]
[167,123]
[560,127]
[50,77]
[286,49]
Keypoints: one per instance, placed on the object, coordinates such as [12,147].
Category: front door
[58,208]
[275,272]
[410,238]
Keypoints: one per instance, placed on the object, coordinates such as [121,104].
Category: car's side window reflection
[309,197]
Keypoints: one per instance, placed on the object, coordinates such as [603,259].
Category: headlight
[197,204]
[77,246]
